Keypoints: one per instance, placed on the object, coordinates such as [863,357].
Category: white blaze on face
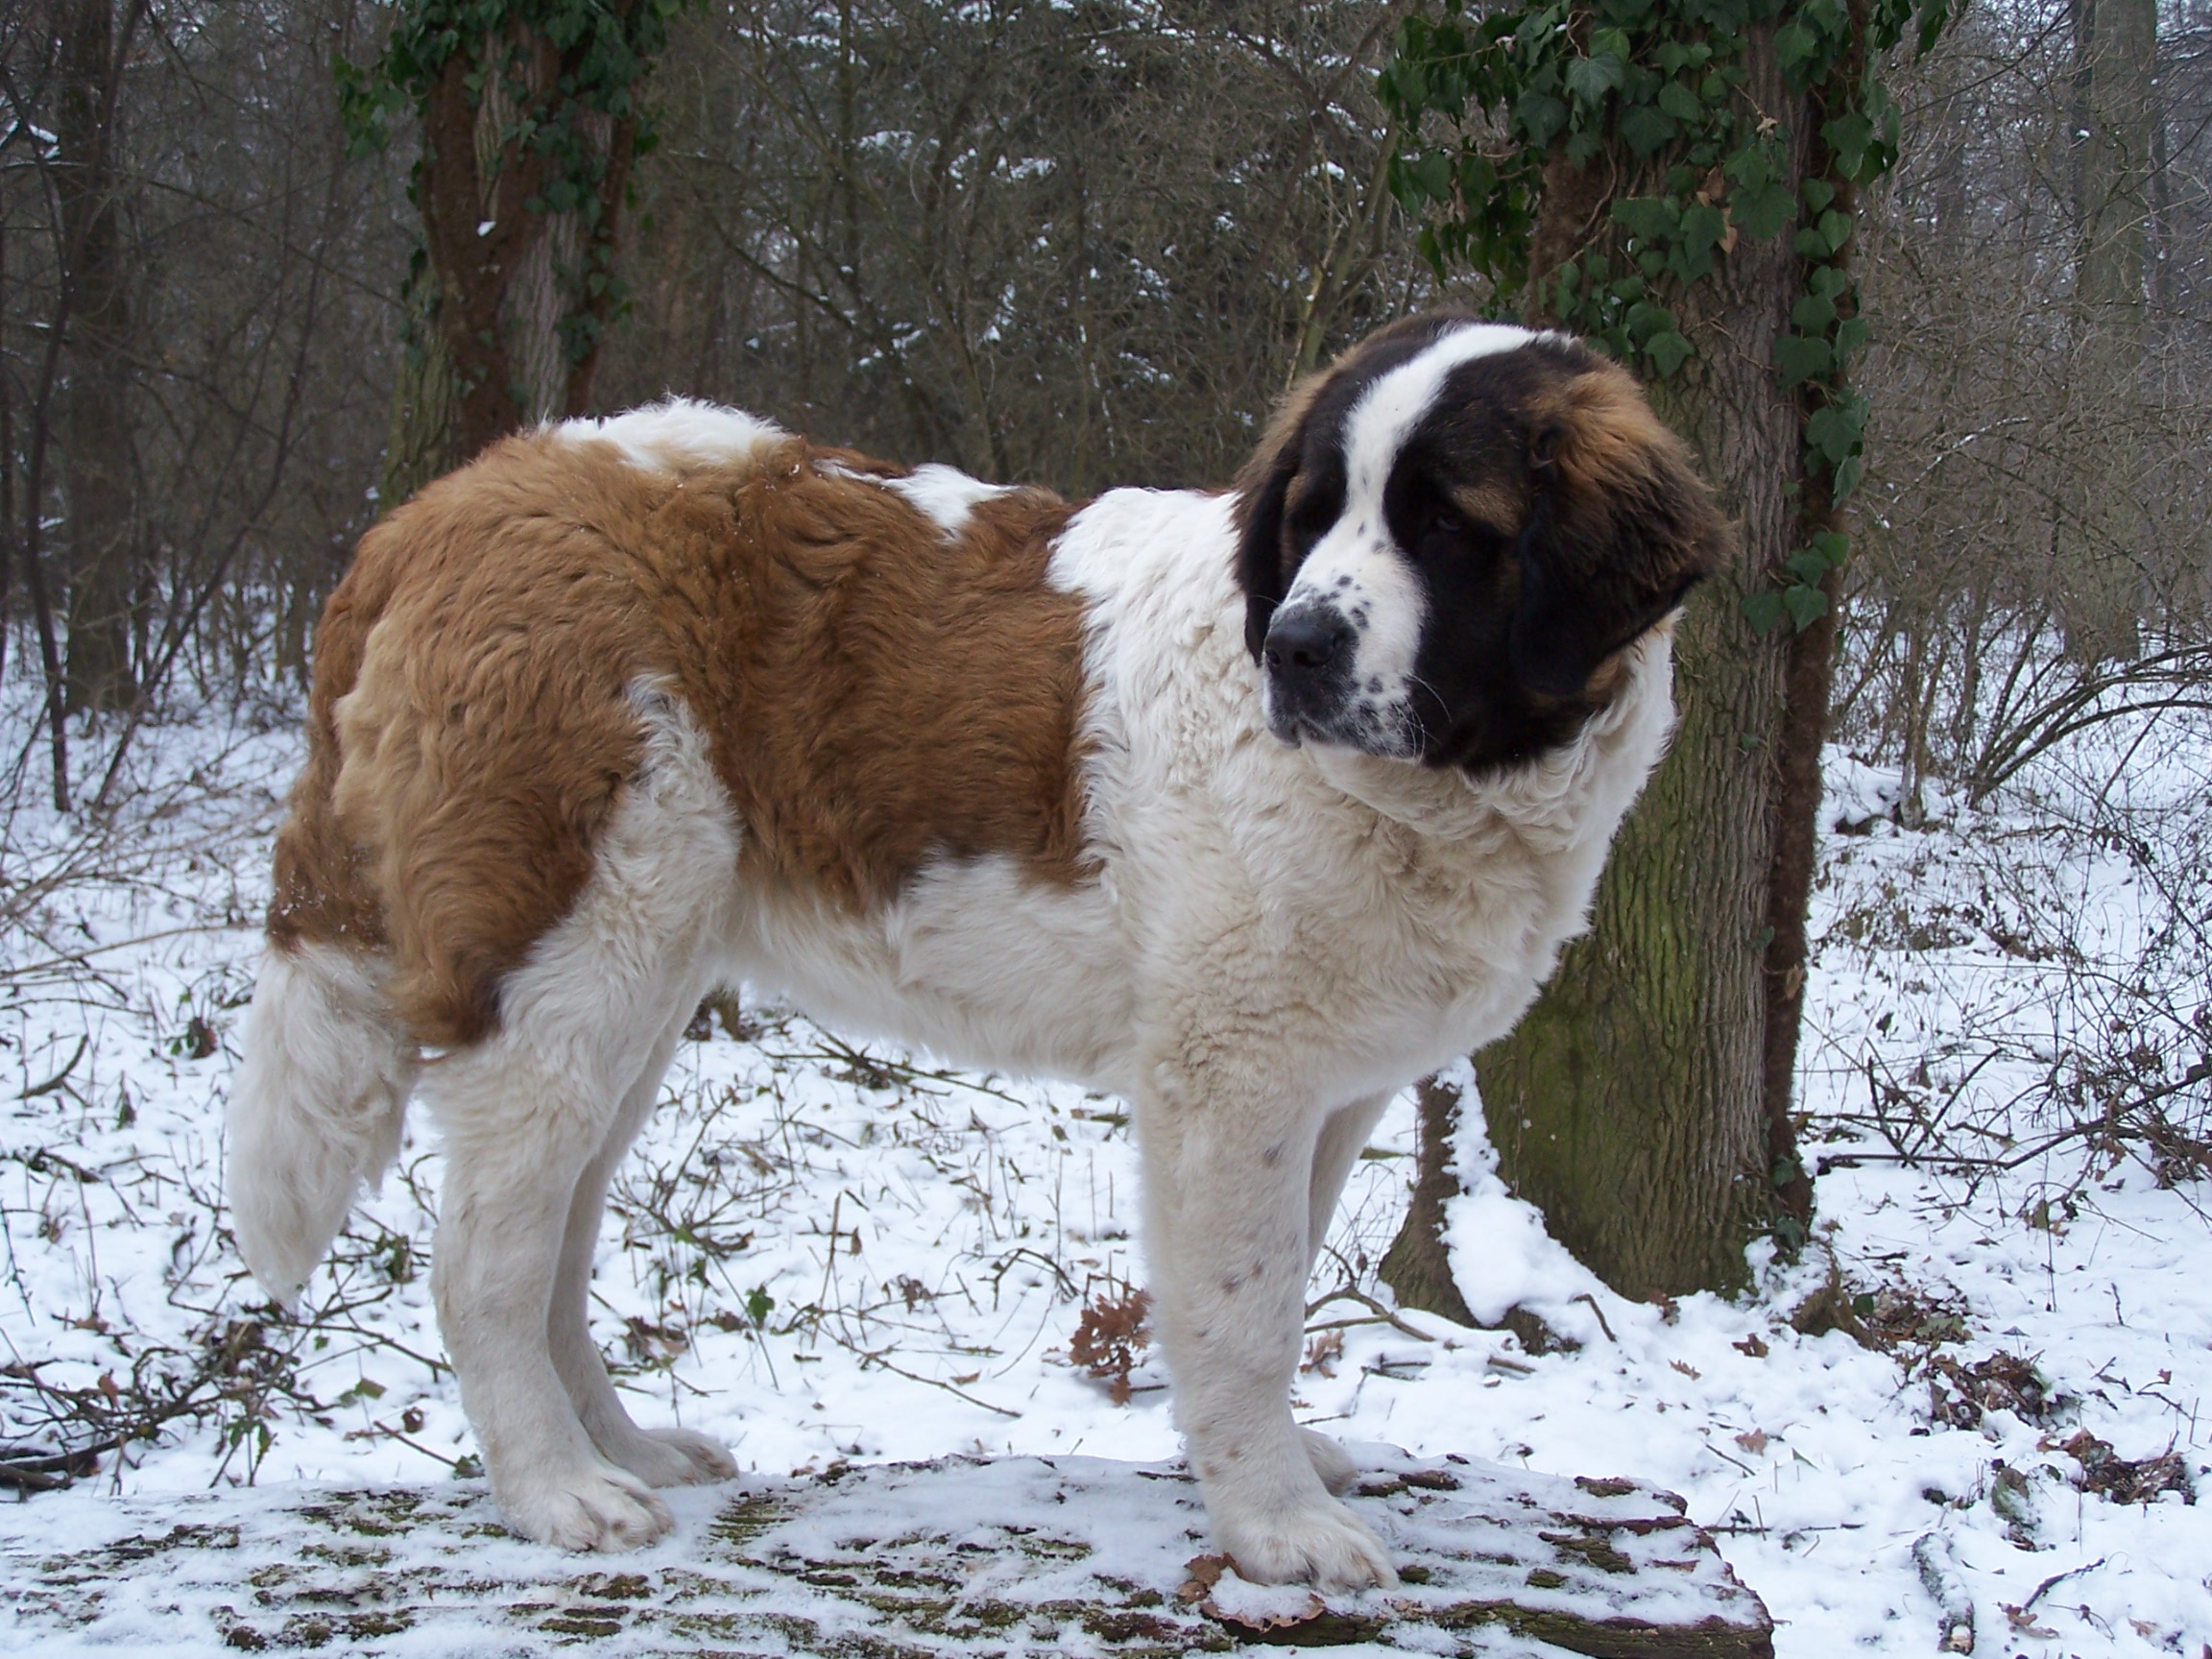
[1357,568]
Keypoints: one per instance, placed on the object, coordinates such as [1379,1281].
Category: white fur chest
[1379,917]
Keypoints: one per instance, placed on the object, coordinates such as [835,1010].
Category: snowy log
[1015,1556]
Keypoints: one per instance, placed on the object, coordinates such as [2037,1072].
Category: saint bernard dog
[1249,807]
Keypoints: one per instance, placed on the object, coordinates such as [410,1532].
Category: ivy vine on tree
[531,114]
[1664,80]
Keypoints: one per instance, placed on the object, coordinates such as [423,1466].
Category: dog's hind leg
[657,1456]
[1343,1137]
[529,1111]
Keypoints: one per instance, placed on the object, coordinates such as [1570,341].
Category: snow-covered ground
[823,1252]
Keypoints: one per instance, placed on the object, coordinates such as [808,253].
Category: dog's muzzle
[1308,658]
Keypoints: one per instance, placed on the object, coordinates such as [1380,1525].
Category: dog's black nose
[1308,645]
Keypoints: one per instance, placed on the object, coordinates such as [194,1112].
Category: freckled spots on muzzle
[1308,658]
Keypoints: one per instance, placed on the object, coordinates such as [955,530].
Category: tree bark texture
[520,295]
[2102,541]
[98,475]
[1808,684]
[422,442]
[1630,1102]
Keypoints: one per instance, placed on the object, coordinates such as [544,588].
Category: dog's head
[1449,538]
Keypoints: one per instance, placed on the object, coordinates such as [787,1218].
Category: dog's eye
[1446,522]
[1313,512]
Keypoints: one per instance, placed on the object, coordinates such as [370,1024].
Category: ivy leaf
[1833,546]
[1751,166]
[1808,566]
[1645,319]
[1793,43]
[1812,313]
[1702,227]
[1819,193]
[1830,17]
[1590,79]
[1431,249]
[1833,431]
[1762,610]
[1646,218]
[1645,128]
[1799,357]
[1934,14]
[1804,605]
[1851,335]
[1541,115]
[1679,102]
[1405,185]
[1431,176]
[1764,211]
[1667,350]
[1846,478]
[1848,136]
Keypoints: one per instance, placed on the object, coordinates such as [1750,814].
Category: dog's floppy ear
[1624,528]
[1261,489]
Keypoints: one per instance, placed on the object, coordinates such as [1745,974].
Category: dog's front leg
[1228,1175]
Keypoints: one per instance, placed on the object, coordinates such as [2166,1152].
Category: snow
[831,1255]
[1076,1555]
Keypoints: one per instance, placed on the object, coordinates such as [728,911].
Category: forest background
[1087,245]
[1075,244]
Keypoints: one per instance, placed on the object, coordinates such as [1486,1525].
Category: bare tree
[1080,247]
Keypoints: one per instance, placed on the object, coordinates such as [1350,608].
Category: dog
[1248,806]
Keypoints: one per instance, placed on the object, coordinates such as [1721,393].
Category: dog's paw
[683,1458]
[1323,1544]
[589,1507]
[1330,1461]
[662,1456]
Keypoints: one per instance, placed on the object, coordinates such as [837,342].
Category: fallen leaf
[1688,1371]
[1753,1440]
[1312,1609]
[2023,1621]
[1205,1571]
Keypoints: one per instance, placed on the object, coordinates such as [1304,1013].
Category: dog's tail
[318,1101]
[316,1109]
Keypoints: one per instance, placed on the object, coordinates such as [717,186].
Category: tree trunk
[1417,1267]
[423,440]
[521,289]
[2115,125]
[1630,1104]
[98,475]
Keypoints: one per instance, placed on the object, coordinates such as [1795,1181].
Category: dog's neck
[1545,801]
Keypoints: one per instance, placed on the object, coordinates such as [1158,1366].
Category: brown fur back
[875,695]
